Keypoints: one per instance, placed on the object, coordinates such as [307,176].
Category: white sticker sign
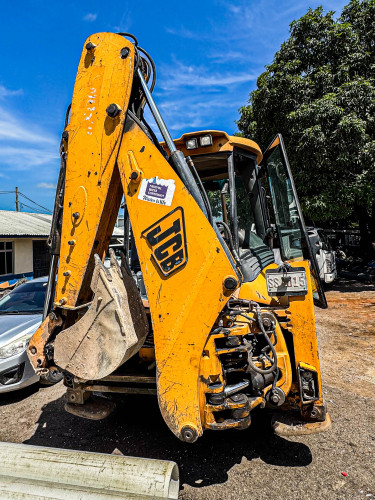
[157,190]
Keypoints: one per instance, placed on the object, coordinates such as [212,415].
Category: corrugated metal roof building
[23,248]
[21,224]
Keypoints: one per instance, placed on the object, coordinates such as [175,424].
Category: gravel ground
[253,463]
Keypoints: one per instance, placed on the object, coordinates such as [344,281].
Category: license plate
[286,283]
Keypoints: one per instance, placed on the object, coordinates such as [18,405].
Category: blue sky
[208,55]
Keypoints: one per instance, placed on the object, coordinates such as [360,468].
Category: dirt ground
[251,464]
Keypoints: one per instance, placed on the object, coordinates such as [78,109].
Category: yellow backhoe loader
[211,304]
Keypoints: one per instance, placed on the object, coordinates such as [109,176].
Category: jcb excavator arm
[228,326]
[97,320]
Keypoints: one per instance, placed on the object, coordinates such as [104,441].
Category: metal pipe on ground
[31,472]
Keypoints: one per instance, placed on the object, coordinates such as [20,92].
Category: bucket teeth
[112,330]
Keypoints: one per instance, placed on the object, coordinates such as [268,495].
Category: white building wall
[23,255]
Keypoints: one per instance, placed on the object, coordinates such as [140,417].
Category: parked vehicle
[224,328]
[8,286]
[20,315]
[324,253]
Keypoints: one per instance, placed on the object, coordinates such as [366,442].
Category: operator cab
[252,200]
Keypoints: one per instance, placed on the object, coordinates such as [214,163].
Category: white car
[20,315]
[325,256]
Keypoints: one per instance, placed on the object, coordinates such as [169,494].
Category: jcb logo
[168,241]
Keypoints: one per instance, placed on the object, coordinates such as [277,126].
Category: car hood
[17,325]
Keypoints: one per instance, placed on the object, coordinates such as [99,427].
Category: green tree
[319,92]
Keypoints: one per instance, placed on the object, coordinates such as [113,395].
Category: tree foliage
[319,92]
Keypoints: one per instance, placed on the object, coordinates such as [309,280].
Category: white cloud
[15,129]
[235,9]
[200,108]
[4,92]
[186,33]
[230,56]
[124,24]
[24,145]
[46,185]
[90,17]
[244,35]
[195,76]
[22,157]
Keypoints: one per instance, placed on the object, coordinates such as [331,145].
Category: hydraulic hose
[273,367]
[231,243]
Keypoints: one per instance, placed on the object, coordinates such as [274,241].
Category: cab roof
[221,142]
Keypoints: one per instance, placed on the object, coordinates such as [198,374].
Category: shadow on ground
[346,285]
[136,428]
[7,398]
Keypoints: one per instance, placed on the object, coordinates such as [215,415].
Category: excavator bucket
[113,329]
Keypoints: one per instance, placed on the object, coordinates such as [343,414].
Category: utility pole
[17,204]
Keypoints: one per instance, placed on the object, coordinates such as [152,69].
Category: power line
[27,198]
[35,203]
[32,208]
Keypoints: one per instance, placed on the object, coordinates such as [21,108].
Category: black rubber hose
[135,118]
[67,115]
[246,316]
[129,35]
[231,244]
[152,66]
[273,367]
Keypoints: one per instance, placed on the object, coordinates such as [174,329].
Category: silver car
[325,256]
[20,315]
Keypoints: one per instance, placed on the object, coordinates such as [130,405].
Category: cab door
[291,229]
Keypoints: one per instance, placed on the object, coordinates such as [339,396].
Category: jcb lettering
[171,262]
[154,237]
[162,253]
[168,241]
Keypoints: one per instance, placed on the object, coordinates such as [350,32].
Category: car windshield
[25,299]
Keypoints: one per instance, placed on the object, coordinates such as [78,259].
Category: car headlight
[329,266]
[15,347]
